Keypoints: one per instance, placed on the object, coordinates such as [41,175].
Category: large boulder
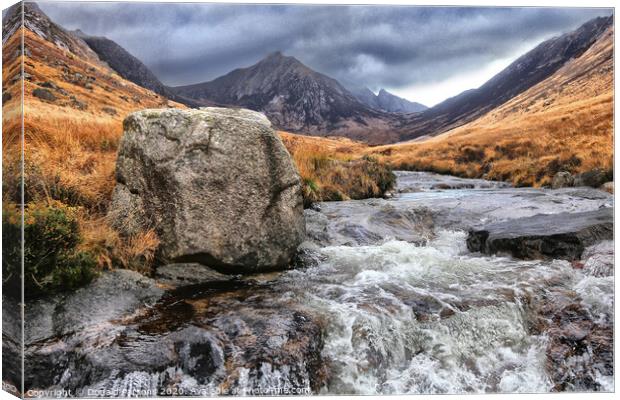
[216,184]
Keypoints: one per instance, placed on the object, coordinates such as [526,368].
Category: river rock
[608,187]
[44,94]
[557,236]
[177,275]
[598,260]
[594,178]
[217,184]
[562,179]
[192,341]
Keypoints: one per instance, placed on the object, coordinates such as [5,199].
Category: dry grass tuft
[334,169]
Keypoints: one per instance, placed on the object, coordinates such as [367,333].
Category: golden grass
[564,123]
[70,153]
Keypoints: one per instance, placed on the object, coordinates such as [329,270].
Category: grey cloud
[375,46]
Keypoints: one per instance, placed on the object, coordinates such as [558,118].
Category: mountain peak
[41,25]
[275,55]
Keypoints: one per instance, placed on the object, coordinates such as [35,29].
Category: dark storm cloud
[375,46]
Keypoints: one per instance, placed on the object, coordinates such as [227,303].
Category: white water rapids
[471,329]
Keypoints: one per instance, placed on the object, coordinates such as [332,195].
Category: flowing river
[386,300]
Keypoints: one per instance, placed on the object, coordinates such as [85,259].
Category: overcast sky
[424,54]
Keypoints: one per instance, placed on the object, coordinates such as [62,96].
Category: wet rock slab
[366,222]
[186,274]
[193,340]
[579,349]
[558,236]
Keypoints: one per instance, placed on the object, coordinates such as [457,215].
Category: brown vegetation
[70,142]
[335,169]
[72,137]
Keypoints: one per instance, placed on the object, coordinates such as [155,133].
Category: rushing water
[389,300]
[430,317]
[434,319]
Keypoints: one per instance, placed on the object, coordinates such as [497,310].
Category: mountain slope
[129,67]
[295,98]
[528,70]
[74,105]
[392,103]
[564,123]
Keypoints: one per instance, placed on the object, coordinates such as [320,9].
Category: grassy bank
[335,169]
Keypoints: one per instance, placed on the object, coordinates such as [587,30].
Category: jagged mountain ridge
[392,103]
[38,22]
[386,101]
[564,123]
[298,99]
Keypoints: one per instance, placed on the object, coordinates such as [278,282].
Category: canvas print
[293,199]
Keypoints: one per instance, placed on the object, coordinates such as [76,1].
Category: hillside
[129,67]
[74,109]
[74,105]
[528,70]
[563,123]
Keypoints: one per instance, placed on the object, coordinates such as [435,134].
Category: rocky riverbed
[385,298]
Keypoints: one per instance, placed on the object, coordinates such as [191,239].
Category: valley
[277,231]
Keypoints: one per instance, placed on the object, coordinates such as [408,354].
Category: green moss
[52,261]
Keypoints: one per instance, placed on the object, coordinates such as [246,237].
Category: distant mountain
[129,67]
[392,103]
[298,99]
[563,123]
[293,96]
[365,95]
[528,70]
[386,101]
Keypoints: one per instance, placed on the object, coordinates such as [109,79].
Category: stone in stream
[598,260]
[217,184]
[562,179]
[608,187]
[578,347]
[177,275]
[593,178]
[558,236]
